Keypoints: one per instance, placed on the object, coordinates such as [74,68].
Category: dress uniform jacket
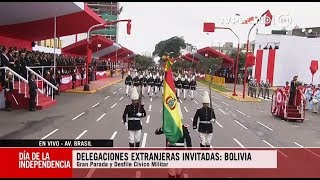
[205,123]
[185,84]
[179,84]
[150,81]
[193,85]
[185,140]
[128,81]
[143,81]
[157,82]
[136,81]
[134,122]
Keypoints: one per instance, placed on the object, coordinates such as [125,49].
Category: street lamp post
[89,52]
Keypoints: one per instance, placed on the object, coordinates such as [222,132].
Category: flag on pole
[268,18]
[172,123]
[208,27]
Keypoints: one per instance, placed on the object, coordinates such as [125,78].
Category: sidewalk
[96,85]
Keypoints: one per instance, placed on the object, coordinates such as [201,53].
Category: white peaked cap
[179,77]
[128,72]
[161,77]
[182,79]
[185,76]
[158,74]
[188,79]
[193,77]
[206,98]
[136,73]
[134,94]
[154,77]
[141,76]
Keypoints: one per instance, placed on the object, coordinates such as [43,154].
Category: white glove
[213,120]
[139,114]
[126,125]
[7,89]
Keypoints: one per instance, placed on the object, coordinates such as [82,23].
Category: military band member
[193,85]
[261,88]
[128,83]
[267,86]
[207,118]
[133,124]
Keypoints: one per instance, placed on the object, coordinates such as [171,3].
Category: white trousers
[127,90]
[142,90]
[162,90]
[156,89]
[205,139]
[192,94]
[315,107]
[178,92]
[149,88]
[134,136]
[184,93]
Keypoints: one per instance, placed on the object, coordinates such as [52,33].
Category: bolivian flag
[172,124]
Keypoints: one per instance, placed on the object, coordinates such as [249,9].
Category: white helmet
[205,97]
[134,94]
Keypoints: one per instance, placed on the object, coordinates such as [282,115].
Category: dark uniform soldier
[134,113]
[58,80]
[144,83]
[267,86]
[186,86]
[33,93]
[254,88]
[74,79]
[128,83]
[193,85]
[136,80]
[207,118]
[8,86]
[150,83]
[179,86]
[184,141]
[250,91]
[157,84]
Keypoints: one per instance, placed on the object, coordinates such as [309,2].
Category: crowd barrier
[216,80]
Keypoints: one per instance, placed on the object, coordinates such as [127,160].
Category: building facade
[109,11]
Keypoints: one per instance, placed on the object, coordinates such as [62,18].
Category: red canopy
[119,54]
[34,21]
[200,54]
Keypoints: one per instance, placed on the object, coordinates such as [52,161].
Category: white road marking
[238,142]
[90,173]
[113,135]
[195,101]
[240,124]
[222,111]
[138,174]
[114,92]
[264,126]
[144,140]
[78,116]
[306,119]
[248,116]
[150,106]
[96,105]
[107,97]
[283,154]
[196,92]
[101,117]
[49,134]
[180,101]
[120,89]
[186,109]
[148,119]
[296,126]
[80,135]
[113,105]
[240,112]
[307,149]
[214,97]
[121,98]
[219,124]
[192,119]
[151,99]
[225,103]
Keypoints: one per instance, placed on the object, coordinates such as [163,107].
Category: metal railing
[48,84]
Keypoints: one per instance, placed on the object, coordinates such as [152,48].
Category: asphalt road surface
[98,116]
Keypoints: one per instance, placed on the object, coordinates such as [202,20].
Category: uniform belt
[206,122]
[134,119]
[177,145]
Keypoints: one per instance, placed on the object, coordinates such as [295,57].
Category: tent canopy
[34,21]
[108,49]
[200,54]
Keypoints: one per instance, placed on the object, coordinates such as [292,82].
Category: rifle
[211,73]
[140,97]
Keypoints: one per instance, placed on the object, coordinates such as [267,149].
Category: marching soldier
[59,80]
[134,111]
[128,83]
[315,100]
[254,88]
[150,83]
[267,86]
[207,118]
[185,84]
[261,88]
[136,80]
[157,84]
[161,84]
[143,83]
[193,84]
[74,79]
[179,86]
[182,142]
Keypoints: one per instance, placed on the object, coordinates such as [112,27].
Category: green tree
[143,62]
[210,63]
[173,45]
[242,57]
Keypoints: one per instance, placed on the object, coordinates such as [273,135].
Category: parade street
[99,116]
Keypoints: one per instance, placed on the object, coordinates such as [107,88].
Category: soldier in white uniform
[128,83]
[134,111]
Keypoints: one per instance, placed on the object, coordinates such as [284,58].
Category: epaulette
[186,125]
